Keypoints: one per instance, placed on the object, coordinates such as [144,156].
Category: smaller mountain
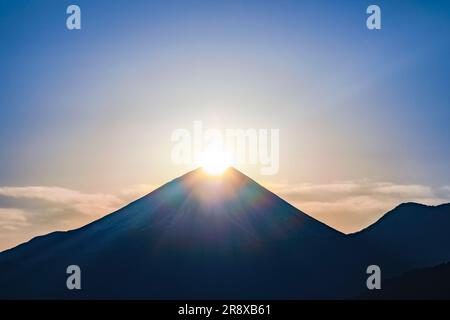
[410,236]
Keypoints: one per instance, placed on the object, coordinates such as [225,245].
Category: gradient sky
[86,116]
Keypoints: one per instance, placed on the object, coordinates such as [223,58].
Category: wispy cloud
[85,203]
[12,219]
[26,212]
[352,205]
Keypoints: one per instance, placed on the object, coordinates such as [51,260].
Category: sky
[86,116]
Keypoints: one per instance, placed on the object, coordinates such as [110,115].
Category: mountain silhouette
[196,236]
[410,236]
[221,237]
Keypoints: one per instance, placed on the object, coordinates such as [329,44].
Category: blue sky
[92,110]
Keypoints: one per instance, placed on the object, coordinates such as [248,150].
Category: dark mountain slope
[203,237]
[412,234]
[197,236]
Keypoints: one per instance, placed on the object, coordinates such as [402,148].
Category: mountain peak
[218,189]
[408,217]
[204,212]
[229,206]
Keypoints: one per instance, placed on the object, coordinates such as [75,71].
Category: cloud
[402,190]
[352,205]
[26,212]
[82,202]
[12,219]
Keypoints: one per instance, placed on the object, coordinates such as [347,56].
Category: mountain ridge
[209,237]
[395,211]
[163,188]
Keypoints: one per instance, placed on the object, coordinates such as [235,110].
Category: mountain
[410,236]
[222,237]
[198,236]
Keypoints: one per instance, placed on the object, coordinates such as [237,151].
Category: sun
[214,161]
